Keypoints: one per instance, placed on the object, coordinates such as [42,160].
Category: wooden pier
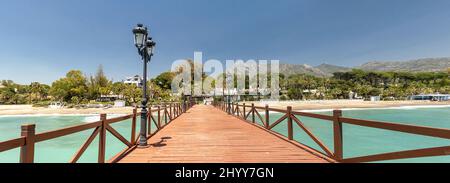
[224,133]
[208,135]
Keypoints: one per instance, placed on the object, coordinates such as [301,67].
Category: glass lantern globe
[150,46]
[140,35]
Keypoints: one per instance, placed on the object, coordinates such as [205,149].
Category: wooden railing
[240,111]
[165,114]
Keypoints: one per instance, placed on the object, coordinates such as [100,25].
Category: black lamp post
[145,47]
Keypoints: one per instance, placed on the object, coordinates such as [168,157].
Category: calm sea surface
[358,141]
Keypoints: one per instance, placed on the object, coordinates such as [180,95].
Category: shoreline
[57,114]
[28,110]
[347,104]
[304,106]
[379,108]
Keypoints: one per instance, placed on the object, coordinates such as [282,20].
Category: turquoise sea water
[361,141]
[358,141]
[62,149]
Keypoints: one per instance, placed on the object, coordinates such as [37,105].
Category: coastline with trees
[77,90]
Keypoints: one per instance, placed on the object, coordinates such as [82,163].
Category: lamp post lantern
[145,46]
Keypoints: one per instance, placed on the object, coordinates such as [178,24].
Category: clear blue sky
[42,40]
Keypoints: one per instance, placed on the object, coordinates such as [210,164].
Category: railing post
[337,128]
[233,108]
[228,106]
[290,127]
[159,116]
[102,140]
[245,114]
[170,112]
[133,127]
[149,121]
[165,114]
[267,117]
[253,113]
[27,151]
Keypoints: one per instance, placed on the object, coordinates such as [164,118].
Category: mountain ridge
[327,70]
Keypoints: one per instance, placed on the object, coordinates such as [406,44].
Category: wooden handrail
[11,144]
[419,130]
[66,131]
[313,115]
[434,151]
[29,137]
[154,121]
[277,110]
[119,119]
[260,118]
[85,145]
[278,121]
[338,121]
[261,108]
[310,134]
[118,136]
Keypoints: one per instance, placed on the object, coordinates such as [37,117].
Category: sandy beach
[296,105]
[29,110]
[344,104]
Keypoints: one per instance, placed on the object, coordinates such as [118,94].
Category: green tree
[99,85]
[164,80]
[132,94]
[38,91]
[118,88]
[74,84]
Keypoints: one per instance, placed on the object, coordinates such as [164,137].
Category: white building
[119,103]
[375,98]
[135,80]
